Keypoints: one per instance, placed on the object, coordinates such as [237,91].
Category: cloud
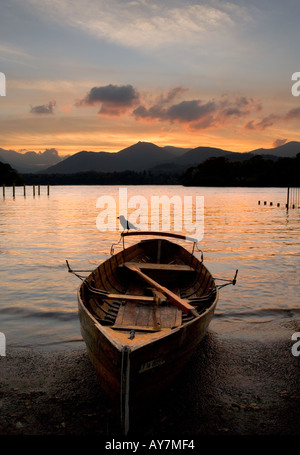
[279,142]
[173,106]
[114,99]
[49,153]
[13,53]
[271,119]
[267,121]
[171,94]
[190,111]
[44,108]
[249,125]
[239,107]
[185,111]
[293,114]
[165,108]
[264,123]
[196,113]
[66,109]
[144,24]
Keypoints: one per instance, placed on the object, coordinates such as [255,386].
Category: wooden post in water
[14,190]
[3,190]
[24,190]
[33,190]
[39,190]
[48,190]
[288,198]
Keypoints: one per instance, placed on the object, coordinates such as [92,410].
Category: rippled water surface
[38,305]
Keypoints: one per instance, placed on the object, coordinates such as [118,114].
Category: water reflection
[38,297]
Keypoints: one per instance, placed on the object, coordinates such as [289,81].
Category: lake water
[38,303]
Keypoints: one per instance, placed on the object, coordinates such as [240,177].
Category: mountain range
[30,161]
[138,157]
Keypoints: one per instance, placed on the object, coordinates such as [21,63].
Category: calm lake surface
[38,303]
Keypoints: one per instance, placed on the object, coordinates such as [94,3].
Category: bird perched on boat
[125,223]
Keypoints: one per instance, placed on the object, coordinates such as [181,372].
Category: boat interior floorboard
[133,315]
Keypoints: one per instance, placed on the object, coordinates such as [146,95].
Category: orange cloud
[66,109]
[272,119]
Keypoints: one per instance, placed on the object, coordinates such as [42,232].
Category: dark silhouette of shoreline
[255,172]
[216,171]
[8,176]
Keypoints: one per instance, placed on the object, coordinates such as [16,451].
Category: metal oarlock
[233,282]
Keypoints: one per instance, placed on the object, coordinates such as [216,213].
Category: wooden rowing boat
[143,313]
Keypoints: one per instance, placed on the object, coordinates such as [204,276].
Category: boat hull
[133,378]
[139,344]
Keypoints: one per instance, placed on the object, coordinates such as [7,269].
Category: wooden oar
[183,305]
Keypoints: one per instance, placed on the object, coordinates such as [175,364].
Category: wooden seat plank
[128,297]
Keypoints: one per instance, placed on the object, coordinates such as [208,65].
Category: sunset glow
[101,76]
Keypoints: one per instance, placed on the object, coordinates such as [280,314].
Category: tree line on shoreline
[220,171]
[8,176]
[256,171]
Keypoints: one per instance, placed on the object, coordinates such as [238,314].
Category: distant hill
[137,157]
[178,151]
[148,156]
[201,154]
[288,150]
[30,161]
[8,176]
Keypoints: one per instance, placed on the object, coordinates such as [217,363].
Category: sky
[102,75]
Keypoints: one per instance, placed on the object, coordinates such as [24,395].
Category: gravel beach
[232,386]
